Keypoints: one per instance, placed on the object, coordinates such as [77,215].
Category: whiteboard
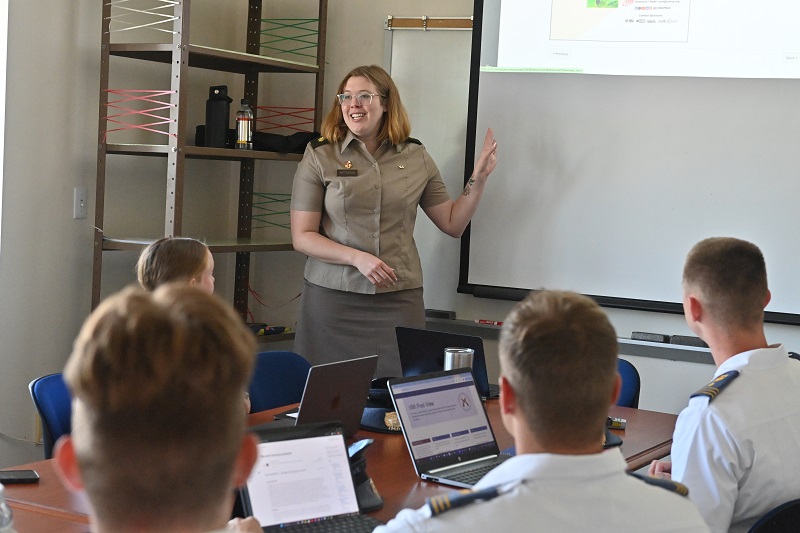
[431,70]
[608,181]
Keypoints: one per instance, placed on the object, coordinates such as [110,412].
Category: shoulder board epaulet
[794,355]
[412,140]
[672,486]
[717,385]
[459,498]
[319,141]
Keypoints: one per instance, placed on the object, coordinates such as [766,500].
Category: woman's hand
[487,160]
[375,270]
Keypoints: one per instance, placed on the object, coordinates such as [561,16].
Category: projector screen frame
[514,293]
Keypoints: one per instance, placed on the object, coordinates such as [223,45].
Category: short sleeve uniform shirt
[368,203]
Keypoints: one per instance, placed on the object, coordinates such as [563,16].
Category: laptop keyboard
[471,477]
[356,523]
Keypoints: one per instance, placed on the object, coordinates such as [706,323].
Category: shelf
[212,58]
[216,246]
[265,339]
[200,152]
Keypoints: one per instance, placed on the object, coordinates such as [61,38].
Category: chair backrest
[631,383]
[785,517]
[279,379]
[51,399]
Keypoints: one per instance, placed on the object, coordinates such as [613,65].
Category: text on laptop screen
[301,479]
[442,415]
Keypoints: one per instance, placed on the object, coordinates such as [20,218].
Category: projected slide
[708,38]
[622,20]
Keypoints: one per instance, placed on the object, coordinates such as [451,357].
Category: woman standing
[354,206]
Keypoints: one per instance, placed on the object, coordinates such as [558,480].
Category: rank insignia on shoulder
[717,385]
[319,141]
[412,140]
[672,486]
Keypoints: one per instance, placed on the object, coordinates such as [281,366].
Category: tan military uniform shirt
[368,203]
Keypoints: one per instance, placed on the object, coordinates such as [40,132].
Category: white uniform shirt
[563,493]
[739,454]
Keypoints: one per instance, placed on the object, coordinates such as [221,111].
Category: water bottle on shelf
[244,127]
[6,516]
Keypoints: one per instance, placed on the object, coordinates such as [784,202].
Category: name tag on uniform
[344,172]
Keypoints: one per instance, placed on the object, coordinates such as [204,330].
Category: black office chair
[279,379]
[785,517]
[51,398]
[631,384]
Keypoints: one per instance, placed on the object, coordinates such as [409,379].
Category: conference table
[49,506]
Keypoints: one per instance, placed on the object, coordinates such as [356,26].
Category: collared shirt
[368,203]
[739,454]
[563,493]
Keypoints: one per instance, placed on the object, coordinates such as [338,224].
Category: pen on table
[489,322]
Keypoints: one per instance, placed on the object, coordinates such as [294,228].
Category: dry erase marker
[489,322]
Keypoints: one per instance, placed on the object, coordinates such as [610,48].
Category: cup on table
[458,358]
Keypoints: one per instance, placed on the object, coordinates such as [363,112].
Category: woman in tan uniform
[354,206]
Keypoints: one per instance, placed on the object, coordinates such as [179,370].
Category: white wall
[45,260]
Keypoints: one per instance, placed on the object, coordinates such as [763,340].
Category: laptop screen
[443,419]
[301,480]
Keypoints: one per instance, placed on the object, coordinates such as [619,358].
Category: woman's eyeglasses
[362,98]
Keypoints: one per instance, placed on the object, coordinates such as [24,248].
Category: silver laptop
[334,391]
[302,481]
[445,426]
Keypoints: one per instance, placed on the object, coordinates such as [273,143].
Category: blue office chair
[52,401]
[785,517]
[279,379]
[631,383]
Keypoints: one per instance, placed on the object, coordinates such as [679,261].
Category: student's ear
[693,308]
[248,453]
[508,397]
[66,463]
[769,297]
[617,389]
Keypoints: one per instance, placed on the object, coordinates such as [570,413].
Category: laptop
[445,427]
[334,391]
[422,350]
[302,480]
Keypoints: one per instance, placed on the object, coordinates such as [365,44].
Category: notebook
[335,391]
[302,480]
[422,350]
[445,427]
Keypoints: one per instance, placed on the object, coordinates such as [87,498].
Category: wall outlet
[80,201]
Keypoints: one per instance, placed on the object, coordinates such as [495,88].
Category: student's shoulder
[715,388]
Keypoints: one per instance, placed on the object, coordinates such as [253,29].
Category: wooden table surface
[49,506]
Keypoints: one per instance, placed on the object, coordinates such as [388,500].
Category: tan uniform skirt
[337,325]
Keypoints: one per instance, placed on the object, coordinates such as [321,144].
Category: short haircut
[171,259]
[558,351]
[156,381]
[730,277]
[396,126]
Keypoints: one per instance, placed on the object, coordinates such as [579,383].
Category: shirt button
[374,211]
[377,186]
[375,234]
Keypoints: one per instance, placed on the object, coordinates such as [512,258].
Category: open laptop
[302,480]
[422,350]
[445,426]
[334,391]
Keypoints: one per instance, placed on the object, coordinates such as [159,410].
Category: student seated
[179,259]
[558,363]
[736,444]
[176,259]
[158,438]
